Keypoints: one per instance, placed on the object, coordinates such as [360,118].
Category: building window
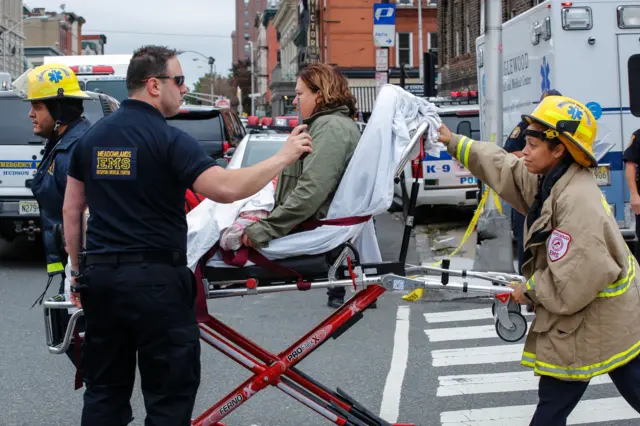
[467,36]
[246,47]
[246,25]
[246,3]
[433,40]
[404,49]
[246,36]
[246,13]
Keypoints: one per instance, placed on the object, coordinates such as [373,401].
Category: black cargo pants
[558,398]
[144,310]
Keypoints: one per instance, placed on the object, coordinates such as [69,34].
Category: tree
[221,87]
[241,77]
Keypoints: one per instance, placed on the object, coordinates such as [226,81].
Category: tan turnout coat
[582,276]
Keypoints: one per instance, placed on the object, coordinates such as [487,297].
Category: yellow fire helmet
[571,122]
[51,81]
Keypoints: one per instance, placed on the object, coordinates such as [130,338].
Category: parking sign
[384,24]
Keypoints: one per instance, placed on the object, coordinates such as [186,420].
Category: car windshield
[201,129]
[117,89]
[259,150]
[16,127]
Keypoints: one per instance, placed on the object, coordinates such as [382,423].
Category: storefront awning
[365,98]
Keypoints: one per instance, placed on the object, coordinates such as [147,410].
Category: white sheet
[366,187]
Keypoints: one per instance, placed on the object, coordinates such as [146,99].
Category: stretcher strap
[312,224]
[244,254]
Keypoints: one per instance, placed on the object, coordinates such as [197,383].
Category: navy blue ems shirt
[136,169]
[516,142]
[632,153]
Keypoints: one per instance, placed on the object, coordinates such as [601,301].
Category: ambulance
[98,73]
[589,51]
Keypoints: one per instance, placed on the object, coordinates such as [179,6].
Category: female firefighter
[581,275]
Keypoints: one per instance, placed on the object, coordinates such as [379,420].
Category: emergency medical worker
[56,114]
[514,144]
[631,158]
[132,170]
[306,188]
[581,275]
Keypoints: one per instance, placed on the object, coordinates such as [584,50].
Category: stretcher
[340,267]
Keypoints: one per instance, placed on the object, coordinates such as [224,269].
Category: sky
[203,26]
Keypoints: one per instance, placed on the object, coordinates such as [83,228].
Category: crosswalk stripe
[462,333]
[466,315]
[588,411]
[479,355]
[468,384]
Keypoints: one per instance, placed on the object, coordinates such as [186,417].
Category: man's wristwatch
[75,273]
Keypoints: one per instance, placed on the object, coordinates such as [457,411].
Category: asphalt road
[395,361]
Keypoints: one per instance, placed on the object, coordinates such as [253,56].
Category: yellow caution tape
[417,293]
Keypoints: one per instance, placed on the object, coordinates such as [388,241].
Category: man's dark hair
[147,61]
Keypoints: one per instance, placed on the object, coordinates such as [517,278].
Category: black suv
[217,129]
[20,153]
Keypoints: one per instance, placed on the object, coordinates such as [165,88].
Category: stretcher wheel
[517,332]
[512,307]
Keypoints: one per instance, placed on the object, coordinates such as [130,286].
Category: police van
[443,180]
[589,51]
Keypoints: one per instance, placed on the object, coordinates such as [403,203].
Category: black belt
[147,256]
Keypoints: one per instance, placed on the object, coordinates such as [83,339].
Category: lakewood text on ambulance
[584,50]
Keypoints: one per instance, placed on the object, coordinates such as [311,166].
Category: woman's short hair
[332,86]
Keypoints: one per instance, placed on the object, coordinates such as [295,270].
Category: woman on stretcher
[305,189]
[581,275]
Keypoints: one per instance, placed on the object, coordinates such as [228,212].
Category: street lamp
[211,61]
[252,95]
[4,38]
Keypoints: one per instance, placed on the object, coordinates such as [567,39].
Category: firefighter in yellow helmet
[56,114]
[581,276]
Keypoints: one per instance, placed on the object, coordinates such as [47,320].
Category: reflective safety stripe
[463,149]
[55,267]
[622,285]
[586,372]
[531,284]
[528,359]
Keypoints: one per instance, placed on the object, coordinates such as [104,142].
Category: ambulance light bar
[576,18]
[92,69]
[628,17]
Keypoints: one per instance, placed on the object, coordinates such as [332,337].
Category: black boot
[335,302]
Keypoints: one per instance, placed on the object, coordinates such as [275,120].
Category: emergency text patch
[558,245]
[114,163]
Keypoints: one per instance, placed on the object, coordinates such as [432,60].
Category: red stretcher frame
[279,370]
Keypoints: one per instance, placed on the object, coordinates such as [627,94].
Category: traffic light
[429,74]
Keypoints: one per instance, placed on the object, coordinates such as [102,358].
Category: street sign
[223,103]
[381,80]
[384,24]
[415,89]
[382,60]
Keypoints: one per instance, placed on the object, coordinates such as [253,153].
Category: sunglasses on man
[179,79]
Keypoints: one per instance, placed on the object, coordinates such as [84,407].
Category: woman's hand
[518,293]
[445,134]
[246,241]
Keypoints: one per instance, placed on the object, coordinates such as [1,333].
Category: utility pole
[494,247]
[253,106]
[211,76]
[420,46]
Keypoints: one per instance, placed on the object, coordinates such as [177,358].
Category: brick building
[246,30]
[345,39]
[459,27]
